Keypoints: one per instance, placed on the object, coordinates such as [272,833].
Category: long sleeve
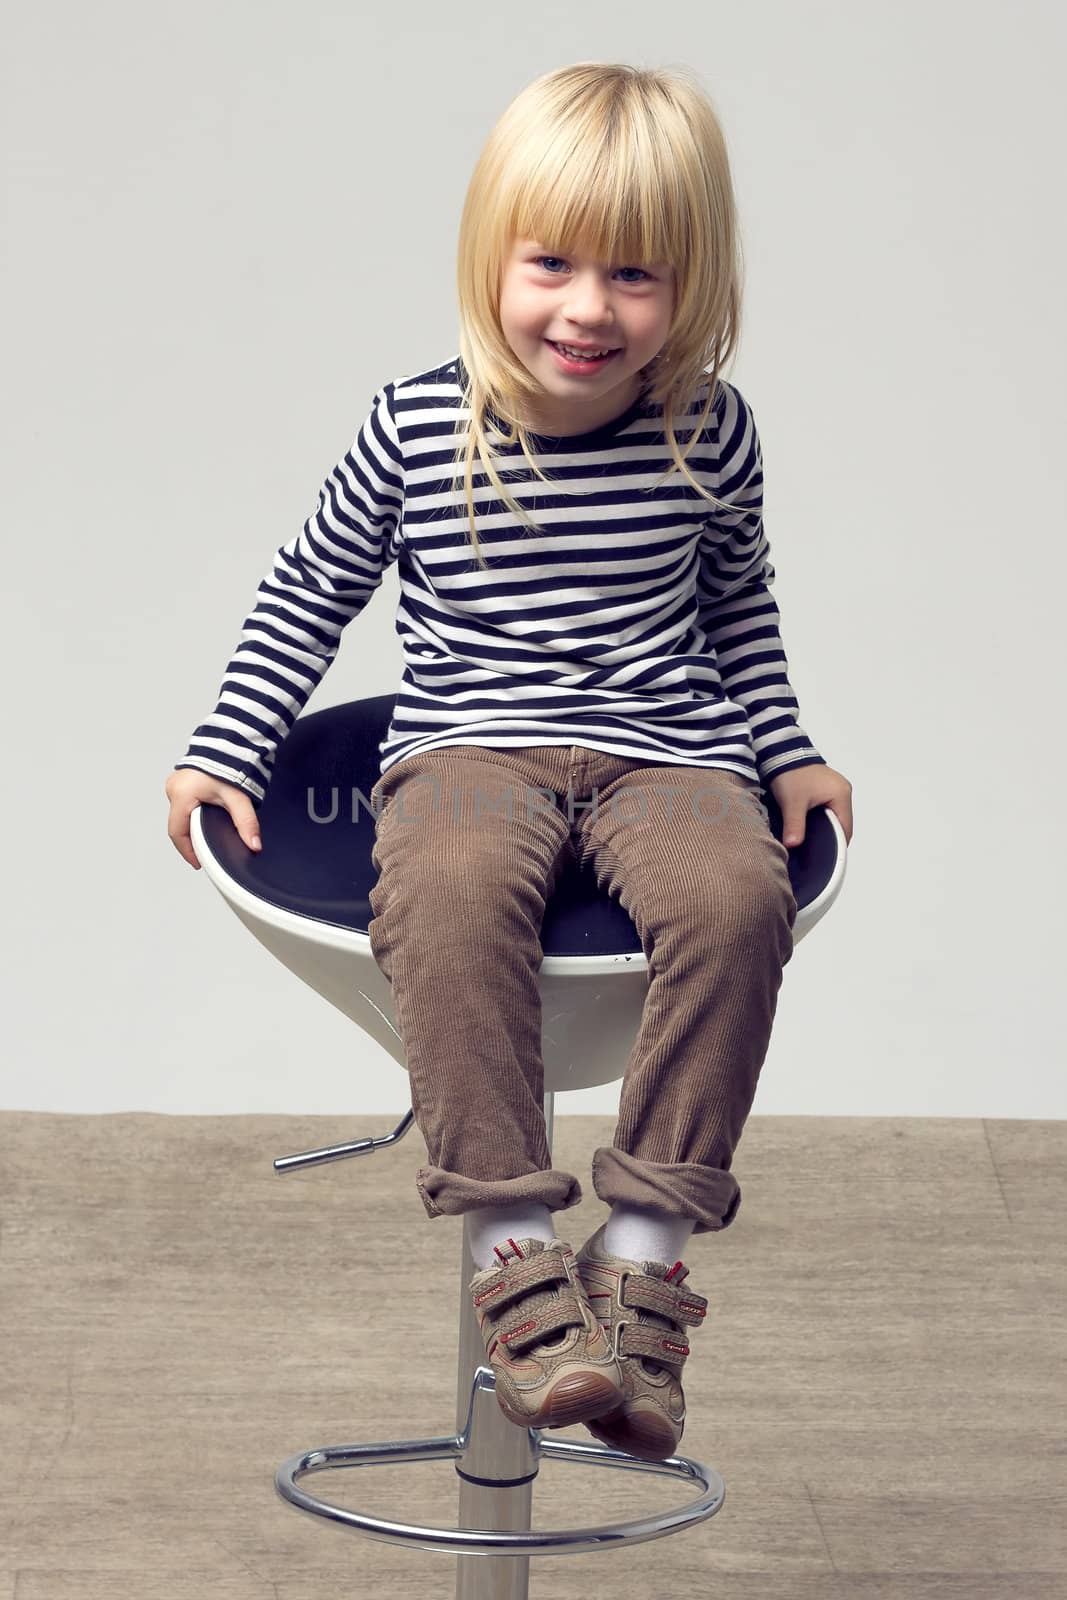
[734,602]
[319,581]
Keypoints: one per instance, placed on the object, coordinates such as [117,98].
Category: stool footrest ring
[485,1541]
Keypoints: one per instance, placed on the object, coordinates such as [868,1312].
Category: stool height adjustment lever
[338,1152]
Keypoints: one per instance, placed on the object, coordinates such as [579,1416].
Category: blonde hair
[630,163]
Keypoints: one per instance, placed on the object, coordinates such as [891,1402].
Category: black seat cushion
[318,833]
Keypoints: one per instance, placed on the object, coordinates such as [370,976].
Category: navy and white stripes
[636,619]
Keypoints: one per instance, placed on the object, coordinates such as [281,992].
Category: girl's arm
[319,581]
[736,608]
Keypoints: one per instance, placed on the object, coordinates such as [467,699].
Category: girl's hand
[797,790]
[188,788]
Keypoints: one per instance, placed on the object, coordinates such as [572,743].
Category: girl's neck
[564,420]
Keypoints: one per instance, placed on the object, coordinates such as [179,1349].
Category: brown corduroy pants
[470,842]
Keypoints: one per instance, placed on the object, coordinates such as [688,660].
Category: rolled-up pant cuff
[449,1194]
[708,1195]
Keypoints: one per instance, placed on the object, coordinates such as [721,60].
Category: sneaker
[551,1359]
[644,1312]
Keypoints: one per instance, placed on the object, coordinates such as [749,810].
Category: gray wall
[228,224]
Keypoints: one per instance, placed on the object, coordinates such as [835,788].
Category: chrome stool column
[496,1460]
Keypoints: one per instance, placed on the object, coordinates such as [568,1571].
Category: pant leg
[466,867]
[690,855]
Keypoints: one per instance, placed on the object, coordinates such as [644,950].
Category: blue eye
[539,259]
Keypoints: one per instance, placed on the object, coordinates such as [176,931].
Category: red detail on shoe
[673,1270]
[698,1311]
[679,1349]
[514,1334]
[493,1288]
[504,1256]
[492,1347]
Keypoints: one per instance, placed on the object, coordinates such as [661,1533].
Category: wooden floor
[881,1379]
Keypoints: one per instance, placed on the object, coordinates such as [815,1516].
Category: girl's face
[622,306]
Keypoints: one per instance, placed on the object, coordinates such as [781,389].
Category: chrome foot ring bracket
[484,1541]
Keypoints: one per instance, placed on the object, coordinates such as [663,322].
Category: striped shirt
[636,619]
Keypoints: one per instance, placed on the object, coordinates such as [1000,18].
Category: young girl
[586,619]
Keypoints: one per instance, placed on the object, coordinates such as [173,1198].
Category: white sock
[643,1233]
[492,1225]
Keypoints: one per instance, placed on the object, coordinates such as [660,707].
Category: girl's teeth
[583,355]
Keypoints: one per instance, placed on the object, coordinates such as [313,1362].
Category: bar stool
[305,896]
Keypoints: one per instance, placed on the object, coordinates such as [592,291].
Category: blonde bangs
[604,191]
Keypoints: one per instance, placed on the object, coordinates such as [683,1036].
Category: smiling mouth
[587,355]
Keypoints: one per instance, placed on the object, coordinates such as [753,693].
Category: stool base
[484,1540]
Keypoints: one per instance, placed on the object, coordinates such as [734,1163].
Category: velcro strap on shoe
[659,1344]
[519,1277]
[681,1305]
[529,1324]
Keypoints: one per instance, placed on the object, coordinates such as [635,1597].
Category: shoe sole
[647,1437]
[576,1398]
